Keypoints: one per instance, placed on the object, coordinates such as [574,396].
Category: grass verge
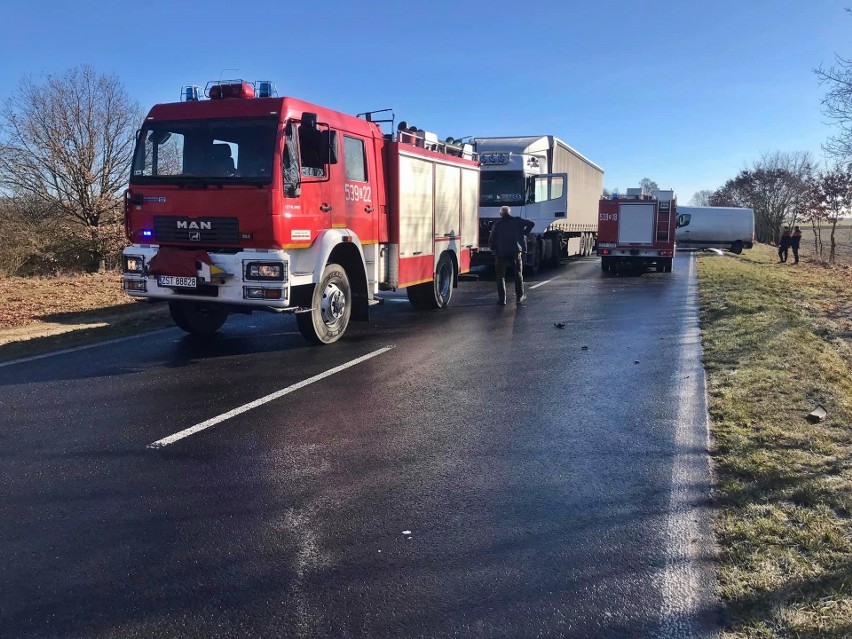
[777,343]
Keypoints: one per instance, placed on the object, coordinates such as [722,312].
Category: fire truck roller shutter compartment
[636,223]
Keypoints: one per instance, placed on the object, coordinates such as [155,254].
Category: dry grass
[31,300]
[776,340]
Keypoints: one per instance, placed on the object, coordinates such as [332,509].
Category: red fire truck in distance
[637,229]
[246,201]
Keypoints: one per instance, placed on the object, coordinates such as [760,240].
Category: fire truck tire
[438,292]
[606,264]
[198,318]
[737,247]
[667,266]
[331,308]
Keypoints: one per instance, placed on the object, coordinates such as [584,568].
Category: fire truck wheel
[737,247]
[438,292]
[198,318]
[606,264]
[667,265]
[331,308]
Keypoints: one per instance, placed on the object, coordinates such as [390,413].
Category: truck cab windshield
[230,151]
[501,188]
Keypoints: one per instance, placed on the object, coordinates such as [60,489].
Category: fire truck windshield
[499,188]
[232,151]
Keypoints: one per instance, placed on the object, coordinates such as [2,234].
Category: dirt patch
[41,314]
[32,300]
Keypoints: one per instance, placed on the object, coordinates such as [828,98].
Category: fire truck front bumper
[247,278]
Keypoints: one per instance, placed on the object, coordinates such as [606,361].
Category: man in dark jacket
[795,241]
[784,245]
[508,241]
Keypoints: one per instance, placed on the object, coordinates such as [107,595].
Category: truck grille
[485,225]
[192,230]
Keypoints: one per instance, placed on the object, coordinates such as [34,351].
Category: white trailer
[543,180]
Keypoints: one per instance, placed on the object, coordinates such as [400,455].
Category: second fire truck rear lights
[264,271]
[665,253]
[257,293]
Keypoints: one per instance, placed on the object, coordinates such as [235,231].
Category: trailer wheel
[331,308]
[438,292]
[737,247]
[198,318]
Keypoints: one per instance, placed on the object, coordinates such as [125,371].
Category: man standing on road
[508,241]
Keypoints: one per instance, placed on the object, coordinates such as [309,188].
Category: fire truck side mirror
[329,140]
[309,121]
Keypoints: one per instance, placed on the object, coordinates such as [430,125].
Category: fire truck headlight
[133,264]
[264,271]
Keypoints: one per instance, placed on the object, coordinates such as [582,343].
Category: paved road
[490,475]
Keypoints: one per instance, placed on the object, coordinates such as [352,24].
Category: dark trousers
[500,266]
[795,248]
[782,252]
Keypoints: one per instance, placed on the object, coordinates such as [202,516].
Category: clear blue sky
[686,93]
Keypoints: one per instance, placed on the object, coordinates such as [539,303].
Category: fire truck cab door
[549,199]
[360,208]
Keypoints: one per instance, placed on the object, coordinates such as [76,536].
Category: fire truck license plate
[174,280]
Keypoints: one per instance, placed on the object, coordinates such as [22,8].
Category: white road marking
[681,578]
[171,439]
[65,351]
[542,283]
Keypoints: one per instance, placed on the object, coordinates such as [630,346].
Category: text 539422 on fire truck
[246,201]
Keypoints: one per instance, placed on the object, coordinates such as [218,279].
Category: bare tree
[837,105]
[701,198]
[647,185]
[776,187]
[66,143]
[832,197]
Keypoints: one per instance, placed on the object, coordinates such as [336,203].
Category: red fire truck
[245,201]
[637,229]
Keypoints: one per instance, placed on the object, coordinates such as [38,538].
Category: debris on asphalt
[635,361]
[559,325]
[406,532]
[584,348]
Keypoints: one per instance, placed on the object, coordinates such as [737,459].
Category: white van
[715,227]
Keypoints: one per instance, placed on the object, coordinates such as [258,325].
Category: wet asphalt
[491,475]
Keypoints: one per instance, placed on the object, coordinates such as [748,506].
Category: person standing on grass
[508,241]
[784,245]
[795,241]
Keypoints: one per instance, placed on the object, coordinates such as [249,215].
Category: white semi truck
[543,180]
